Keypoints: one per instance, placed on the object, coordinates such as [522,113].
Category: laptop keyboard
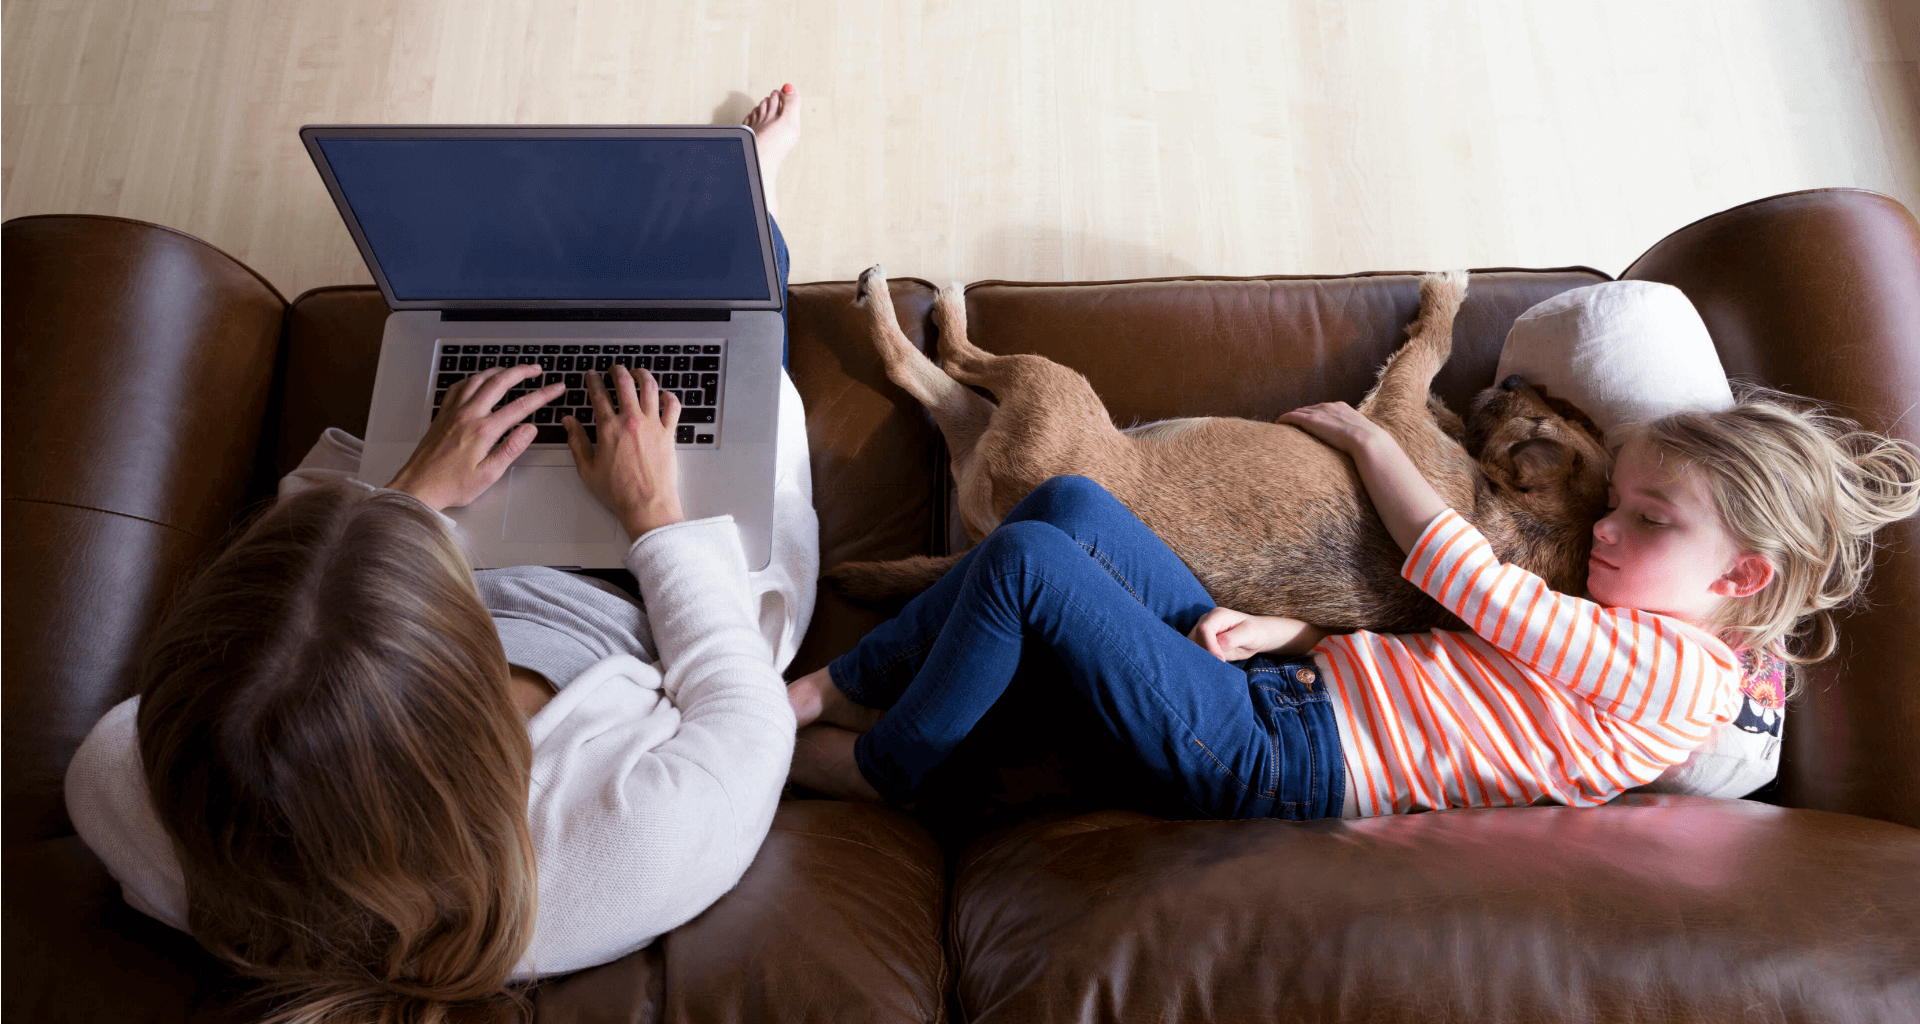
[691,370]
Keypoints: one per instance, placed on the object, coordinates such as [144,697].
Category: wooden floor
[1027,139]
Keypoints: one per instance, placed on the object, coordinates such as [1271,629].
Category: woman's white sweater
[653,782]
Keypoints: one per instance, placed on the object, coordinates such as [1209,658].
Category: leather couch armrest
[1818,293]
[75,951]
[137,367]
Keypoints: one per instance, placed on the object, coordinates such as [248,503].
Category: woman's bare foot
[776,127]
[815,698]
[823,761]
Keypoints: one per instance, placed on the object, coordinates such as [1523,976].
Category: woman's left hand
[470,444]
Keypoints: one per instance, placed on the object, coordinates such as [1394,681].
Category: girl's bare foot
[823,761]
[776,127]
[815,698]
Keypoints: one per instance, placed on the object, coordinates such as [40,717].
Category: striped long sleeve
[1550,696]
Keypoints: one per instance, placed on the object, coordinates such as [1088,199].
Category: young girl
[387,785]
[1729,531]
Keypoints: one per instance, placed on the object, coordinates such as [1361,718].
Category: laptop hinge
[470,315]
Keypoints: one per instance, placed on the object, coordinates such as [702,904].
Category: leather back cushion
[326,378]
[137,364]
[1251,347]
[874,450]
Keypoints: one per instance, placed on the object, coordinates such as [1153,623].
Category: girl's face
[1662,548]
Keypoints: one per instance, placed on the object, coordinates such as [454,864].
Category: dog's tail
[887,582]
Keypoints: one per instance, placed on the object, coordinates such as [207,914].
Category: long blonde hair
[328,736]
[1806,489]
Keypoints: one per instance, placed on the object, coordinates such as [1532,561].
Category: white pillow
[1742,755]
[1623,351]
[1626,352]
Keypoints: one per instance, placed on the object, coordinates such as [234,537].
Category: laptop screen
[544,218]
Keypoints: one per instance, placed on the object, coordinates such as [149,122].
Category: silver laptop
[576,249]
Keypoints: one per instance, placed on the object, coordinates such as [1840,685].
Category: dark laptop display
[576,250]
[554,219]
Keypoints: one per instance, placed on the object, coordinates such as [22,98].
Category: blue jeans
[781,263]
[1073,569]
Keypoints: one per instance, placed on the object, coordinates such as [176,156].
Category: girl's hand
[633,470]
[1226,634]
[1405,500]
[1338,424]
[1235,636]
[463,451]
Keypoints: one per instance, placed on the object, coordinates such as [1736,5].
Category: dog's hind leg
[960,412]
[1045,419]
[1402,402]
[964,421]
[1048,421]
[950,316]
[1408,375]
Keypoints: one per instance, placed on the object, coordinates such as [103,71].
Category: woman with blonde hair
[391,787]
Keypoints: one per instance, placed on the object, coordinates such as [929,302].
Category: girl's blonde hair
[1806,489]
[328,736]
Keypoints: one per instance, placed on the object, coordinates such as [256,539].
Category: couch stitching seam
[108,512]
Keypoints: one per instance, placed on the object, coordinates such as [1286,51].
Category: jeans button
[1308,675]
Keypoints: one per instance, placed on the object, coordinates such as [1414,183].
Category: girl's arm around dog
[1405,500]
[1671,680]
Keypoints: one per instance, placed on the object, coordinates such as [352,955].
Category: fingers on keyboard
[691,372]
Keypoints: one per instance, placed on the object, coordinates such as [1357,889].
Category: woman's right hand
[470,444]
[632,469]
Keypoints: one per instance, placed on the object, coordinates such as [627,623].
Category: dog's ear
[1538,461]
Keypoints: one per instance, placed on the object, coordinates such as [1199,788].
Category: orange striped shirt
[1550,696]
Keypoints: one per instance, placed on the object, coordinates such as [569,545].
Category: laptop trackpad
[549,504]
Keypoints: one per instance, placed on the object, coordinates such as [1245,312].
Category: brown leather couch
[155,388]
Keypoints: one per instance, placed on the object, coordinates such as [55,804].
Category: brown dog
[1284,525]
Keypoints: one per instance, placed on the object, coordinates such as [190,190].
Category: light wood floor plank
[1025,139]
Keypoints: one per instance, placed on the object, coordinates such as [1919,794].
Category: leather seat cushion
[1680,908]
